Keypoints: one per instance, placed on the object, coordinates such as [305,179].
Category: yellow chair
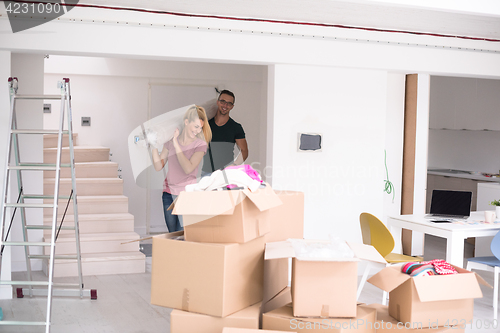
[376,234]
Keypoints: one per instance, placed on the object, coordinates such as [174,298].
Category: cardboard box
[387,324]
[438,299]
[283,319]
[287,220]
[189,322]
[320,287]
[226,216]
[243,330]
[207,278]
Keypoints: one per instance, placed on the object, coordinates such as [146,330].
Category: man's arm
[242,144]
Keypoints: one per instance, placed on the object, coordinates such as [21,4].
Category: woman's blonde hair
[197,112]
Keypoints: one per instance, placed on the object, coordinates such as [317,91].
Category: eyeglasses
[223,102]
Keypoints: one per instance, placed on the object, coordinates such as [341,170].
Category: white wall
[28,68]
[347,177]
[394,142]
[5,68]
[114,93]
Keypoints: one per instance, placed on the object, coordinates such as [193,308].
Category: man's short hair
[227,92]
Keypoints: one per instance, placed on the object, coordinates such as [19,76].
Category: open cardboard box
[206,278]
[387,324]
[320,287]
[436,300]
[189,322]
[282,319]
[226,216]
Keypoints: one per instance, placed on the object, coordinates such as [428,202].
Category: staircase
[105,223]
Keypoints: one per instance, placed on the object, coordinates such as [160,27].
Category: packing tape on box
[185,300]
[325,311]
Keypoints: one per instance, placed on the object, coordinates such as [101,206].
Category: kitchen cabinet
[464,103]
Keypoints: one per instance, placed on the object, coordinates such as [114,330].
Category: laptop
[450,204]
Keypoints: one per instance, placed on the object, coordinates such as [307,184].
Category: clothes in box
[440,299]
[206,278]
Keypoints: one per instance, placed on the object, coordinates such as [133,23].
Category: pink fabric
[248,170]
[176,179]
[442,267]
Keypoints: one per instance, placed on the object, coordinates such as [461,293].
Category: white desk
[455,232]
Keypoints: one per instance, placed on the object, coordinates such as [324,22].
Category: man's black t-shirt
[222,145]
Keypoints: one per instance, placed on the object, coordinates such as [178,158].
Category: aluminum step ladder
[40,288]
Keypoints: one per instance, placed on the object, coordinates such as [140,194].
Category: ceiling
[382,14]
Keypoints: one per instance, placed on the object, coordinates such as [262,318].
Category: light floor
[123,304]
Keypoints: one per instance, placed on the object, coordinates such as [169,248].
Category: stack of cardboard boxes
[214,278]
[232,271]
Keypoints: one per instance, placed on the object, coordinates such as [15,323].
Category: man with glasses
[225,133]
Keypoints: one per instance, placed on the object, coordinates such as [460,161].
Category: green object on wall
[389,187]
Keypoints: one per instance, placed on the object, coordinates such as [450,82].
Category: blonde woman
[184,153]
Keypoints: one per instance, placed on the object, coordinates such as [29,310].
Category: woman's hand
[176,135]
[176,142]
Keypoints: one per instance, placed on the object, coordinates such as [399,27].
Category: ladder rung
[38,96]
[32,167]
[25,283]
[39,283]
[63,165]
[59,292]
[37,131]
[37,196]
[28,205]
[47,227]
[46,256]
[25,243]
[22,323]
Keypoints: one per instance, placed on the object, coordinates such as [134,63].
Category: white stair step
[100,264]
[88,170]
[96,243]
[50,140]
[95,223]
[82,154]
[85,186]
[93,204]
